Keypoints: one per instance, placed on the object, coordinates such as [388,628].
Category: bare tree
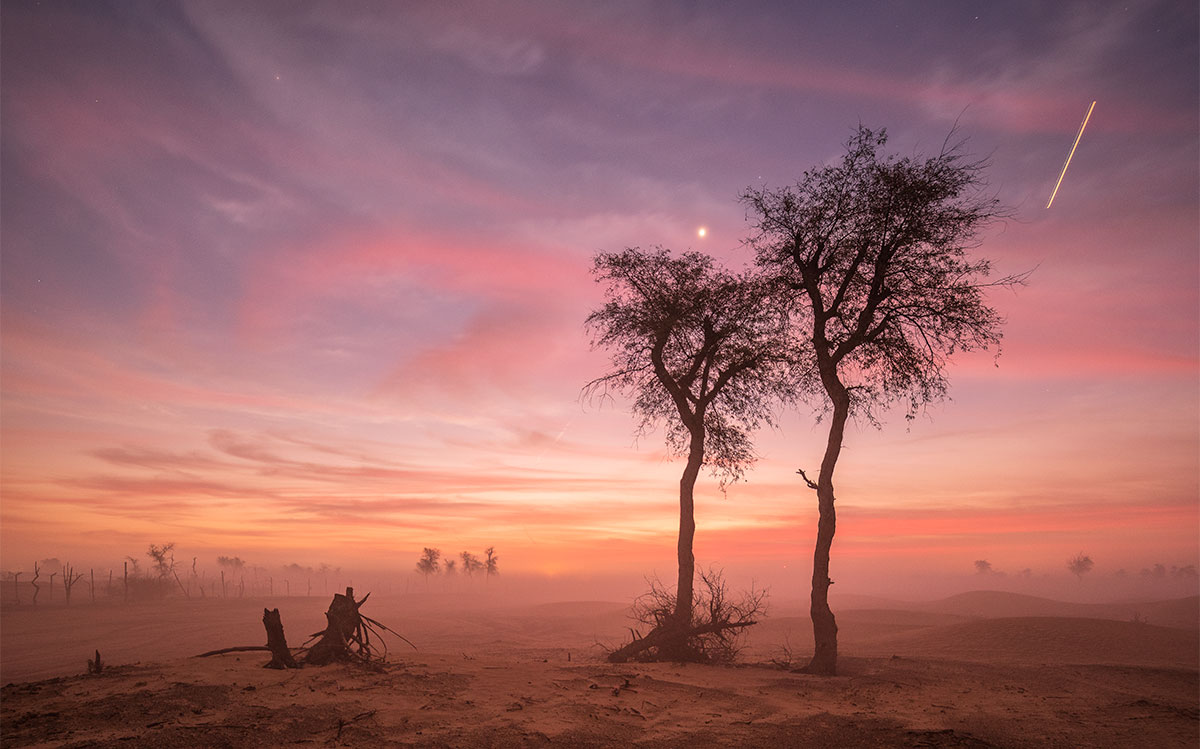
[69,578]
[875,249]
[449,566]
[1080,565]
[491,563]
[702,351]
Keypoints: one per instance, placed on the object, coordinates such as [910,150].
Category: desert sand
[982,669]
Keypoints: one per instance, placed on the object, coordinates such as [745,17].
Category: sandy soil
[931,676]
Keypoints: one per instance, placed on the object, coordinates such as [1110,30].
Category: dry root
[713,634]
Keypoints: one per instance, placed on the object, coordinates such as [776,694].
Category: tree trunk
[281,655]
[824,660]
[344,625]
[684,591]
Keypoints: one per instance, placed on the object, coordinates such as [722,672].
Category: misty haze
[589,374]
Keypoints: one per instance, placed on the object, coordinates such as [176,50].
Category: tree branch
[807,480]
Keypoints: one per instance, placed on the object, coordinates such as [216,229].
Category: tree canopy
[698,348]
[877,247]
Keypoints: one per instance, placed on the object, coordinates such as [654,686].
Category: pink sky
[310,286]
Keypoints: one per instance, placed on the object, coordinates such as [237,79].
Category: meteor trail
[1067,163]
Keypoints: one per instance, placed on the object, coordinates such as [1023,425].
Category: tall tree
[491,562]
[700,350]
[875,248]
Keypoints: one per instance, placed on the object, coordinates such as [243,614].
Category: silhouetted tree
[428,563]
[70,577]
[1187,572]
[1080,565]
[1158,572]
[700,350]
[982,566]
[163,558]
[875,249]
[491,562]
[470,563]
[449,566]
[233,564]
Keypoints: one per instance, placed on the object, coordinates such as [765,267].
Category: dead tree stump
[281,655]
[347,636]
[344,626]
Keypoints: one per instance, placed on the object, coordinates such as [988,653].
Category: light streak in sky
[1067,163]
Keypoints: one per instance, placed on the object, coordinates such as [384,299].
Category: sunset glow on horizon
[308,284]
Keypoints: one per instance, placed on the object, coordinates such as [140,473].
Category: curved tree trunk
[824,660]
[684,591]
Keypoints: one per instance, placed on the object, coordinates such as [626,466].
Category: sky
[306,282]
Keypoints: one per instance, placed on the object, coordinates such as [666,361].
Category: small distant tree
[69,578]
[449,566]
[428,564]
[1080,565]
[234,565]
[1157,572]
[1187,572]
[491,562]
[982,566]
[163,560]
[874,248]
[470,563]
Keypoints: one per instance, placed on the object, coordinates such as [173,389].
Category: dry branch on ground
[711,635]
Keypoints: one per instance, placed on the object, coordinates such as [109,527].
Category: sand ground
[926,675]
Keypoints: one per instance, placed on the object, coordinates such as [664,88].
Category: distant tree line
[432,562]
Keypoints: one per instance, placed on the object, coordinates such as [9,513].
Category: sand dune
[535,676]
[1046,640]
[1179,612]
